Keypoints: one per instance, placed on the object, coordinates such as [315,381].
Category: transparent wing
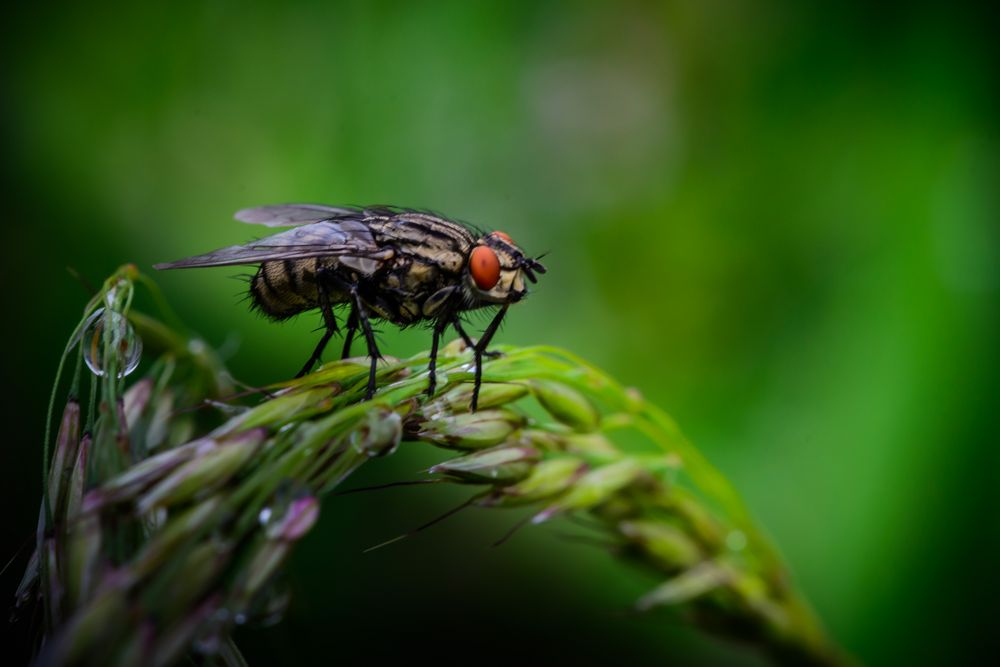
[289,215]
[347,238]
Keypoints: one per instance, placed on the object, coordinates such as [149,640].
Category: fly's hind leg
[358,316]
[366,327]
[352,328]
[331,326]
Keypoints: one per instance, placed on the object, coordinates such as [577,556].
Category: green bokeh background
[777,221]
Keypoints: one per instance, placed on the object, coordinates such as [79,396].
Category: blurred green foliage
[776,220]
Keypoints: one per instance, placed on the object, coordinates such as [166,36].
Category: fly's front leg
[457,323]
[479,348]
[328,319]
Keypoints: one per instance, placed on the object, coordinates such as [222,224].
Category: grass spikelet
[164,526]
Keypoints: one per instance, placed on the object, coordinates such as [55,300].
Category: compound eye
[484,267]
[505,236]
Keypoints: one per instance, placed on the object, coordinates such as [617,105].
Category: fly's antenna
[530,266]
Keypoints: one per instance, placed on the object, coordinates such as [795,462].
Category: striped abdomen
[281,289]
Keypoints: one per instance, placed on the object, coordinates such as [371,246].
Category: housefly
[384,263]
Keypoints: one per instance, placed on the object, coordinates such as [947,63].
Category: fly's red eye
[505,236]
[484,267]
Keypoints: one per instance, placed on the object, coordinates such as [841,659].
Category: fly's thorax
[416,275]
[398,294]
[427,239]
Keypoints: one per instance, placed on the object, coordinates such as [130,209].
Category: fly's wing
[348,239]
[290,215]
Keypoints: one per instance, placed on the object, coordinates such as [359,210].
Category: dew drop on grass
[265,516]
[109,330]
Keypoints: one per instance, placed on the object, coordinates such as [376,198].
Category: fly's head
[497,269]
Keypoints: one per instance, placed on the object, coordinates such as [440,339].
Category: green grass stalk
[165,523]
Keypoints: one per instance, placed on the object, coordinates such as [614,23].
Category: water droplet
[736,540]
[265,516]
[107,330]
[240,619]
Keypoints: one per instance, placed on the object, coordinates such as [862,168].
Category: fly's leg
[331,327]
[480,348]
[468,341]
[369,338]
[439,327]
[461,332]
[352,328]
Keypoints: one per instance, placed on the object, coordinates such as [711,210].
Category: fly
[384,263]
